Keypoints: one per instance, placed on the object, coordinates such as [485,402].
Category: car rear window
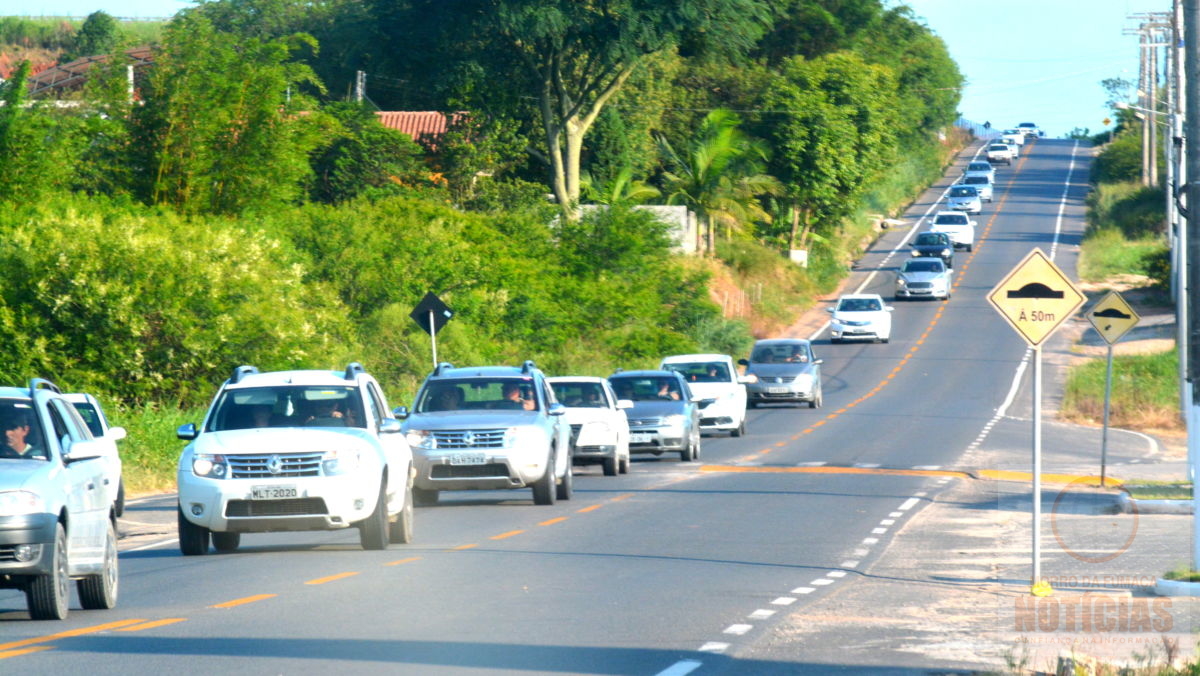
[976,180]
[919,265]
[951,219]
[963,191]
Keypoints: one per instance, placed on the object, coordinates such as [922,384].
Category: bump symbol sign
[1035,297]
[1112,317]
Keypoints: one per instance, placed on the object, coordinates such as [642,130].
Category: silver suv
[56,504]
[489,428]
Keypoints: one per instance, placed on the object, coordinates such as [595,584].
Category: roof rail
[241,371]
[353,370]
[528,366]
[42,384]
[442,366]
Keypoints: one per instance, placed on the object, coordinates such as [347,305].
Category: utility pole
[360,86]
[1191,23]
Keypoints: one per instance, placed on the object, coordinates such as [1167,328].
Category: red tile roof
[417,124]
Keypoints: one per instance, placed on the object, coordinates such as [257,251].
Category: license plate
[777,390]
[641,438]
[467,459]
[273,492]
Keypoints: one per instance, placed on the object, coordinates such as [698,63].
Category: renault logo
[274,464]
[469,439]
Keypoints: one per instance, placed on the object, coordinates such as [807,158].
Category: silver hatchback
[785,370]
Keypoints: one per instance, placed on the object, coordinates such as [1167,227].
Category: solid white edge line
[152,545]
[682,667]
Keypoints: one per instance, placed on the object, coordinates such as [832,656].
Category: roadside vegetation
[244,208]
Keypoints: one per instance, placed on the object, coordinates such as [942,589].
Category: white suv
[292,451]
[714,378]
[89,409]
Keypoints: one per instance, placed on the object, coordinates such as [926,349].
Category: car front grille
[280,465]
[494,469]
[921,285]
[450,439]
[645,422]
[291,507]
[8,553]
[777,379]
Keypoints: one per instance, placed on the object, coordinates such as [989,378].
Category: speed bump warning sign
[1036,297]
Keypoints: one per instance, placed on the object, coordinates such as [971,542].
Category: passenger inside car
[448,398]
[668,389]
[19,437]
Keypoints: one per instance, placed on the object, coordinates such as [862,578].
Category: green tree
[810,28]
[226,127]
[98,35]
[719,175]
[39,144]
[364,155]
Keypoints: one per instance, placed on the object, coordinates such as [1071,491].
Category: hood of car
[16,474]
[924,248]
[656,409]
[577,415]
[713,390]
[922,276]
[864,317]
[777,370]
[282,440]
[473,419]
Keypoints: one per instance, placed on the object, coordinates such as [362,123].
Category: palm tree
[720,177]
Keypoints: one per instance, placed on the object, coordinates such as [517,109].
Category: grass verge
[1159,490]
[1145,392]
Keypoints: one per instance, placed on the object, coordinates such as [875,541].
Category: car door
[396,452]
[87,497]
[616,418]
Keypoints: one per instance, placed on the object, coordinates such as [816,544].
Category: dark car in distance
[934,244]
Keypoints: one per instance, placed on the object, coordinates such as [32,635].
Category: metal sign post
[1036,298]
[431,314]
[1107,405]
[1112,318]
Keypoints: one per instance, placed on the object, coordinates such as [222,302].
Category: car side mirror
[401,412]
[187,432]
[829,310]
[389,426]
[748,379]
[556,409]
[973,223]
[889,308]
[115,433]
[705,402]
[86,449]
[624,403]
[819,361]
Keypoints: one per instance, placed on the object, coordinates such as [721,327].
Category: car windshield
[859,305]
[998,146]
[781,353]
[979,166]
[951,219]
[580,394]
[287,406]
[963,191]
[503,394]
[646,388]
[929,239]
[701,371]
[90,416]
[921,265]
[23,438]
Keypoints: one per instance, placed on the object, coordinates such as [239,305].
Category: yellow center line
[243,601]
[5,654]
[402,561]
[331,578]
[70,632]
[832,470]
[507,535]
[619,498]
[154,625]
[591,508]
[462,547]
[551,522]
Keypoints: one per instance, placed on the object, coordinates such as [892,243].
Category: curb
[1164,587]
[1130,505]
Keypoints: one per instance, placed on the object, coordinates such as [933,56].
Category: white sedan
[860,315]
[599,428]
[714,378]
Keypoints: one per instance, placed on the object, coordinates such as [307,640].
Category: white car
[981,168]
[295,451]
[56,507]
[962,197]
[89,409]
[982,184]
[999,153]
[958,225]
[1013,146]
[860,315]
[1030,130]
[1015,135]
[714,378]
[599,427]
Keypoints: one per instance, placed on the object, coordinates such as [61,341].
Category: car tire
[740,430]
[226,543]
[885,340]
[48,595]
[566,487]
[625,465]
[970,247]
[119,503]
[544,491]
[817,399]
[424,497]
[99,592]
[193,539]
[373,530]
[611,466]
[400,531]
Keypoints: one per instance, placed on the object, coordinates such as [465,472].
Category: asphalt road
[674,568]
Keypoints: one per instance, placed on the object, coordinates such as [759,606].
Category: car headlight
[915,253]
[945,252]
[341,461]
[18,503]
[675,420]
[421,439]
[522,436]
[900,281]
[212,466]
[597,427]
[803,381]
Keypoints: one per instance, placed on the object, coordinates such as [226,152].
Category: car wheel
[373,530]
[885,340]
[611,467]
[544,489]
[566,486]
[193,539]
[99,592]
[119,504]
[740,430]
[226,543]
[401,530]
[48,595]
[625,465]
[816,400]
[424,497]
[969,247]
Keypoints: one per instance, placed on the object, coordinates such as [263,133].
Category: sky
[1035,61]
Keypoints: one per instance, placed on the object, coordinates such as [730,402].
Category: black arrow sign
[431,307]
